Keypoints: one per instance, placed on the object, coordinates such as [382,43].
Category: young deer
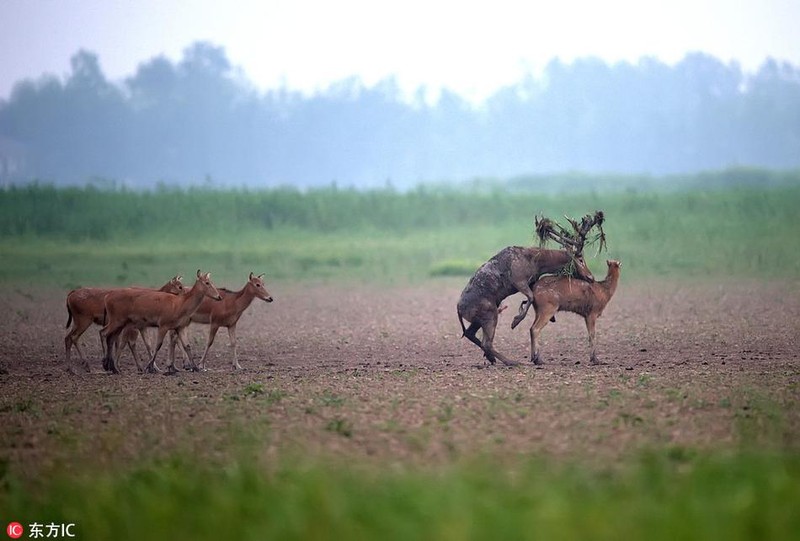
[553,294]
[153,309]
[86,306]
[511,270]
[226,313]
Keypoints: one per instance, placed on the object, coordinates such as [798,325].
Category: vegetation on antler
[576,239]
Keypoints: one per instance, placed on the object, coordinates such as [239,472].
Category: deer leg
[232,336]
[187,350]
[542,317]
[143,334]
[488,338]
[110,334]
[212,333]
[174,337]
[469,333]
[525,289]
[84,361]
[132,347]
[188,363]
[151,367]
[590,324]
[71,339]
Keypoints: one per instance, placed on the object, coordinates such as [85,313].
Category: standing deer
[226,313]
[85,306]
[553,294]
[153,309]
[513,270]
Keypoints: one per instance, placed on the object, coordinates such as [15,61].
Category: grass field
[660,496]
[86,236]
[700,441]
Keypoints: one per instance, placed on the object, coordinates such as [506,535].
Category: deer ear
[250,277]
[198,273]
[261,275]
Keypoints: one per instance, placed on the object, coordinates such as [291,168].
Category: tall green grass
[658,496]
[84,235]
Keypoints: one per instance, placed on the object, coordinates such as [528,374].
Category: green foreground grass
[77,237]
[665,495]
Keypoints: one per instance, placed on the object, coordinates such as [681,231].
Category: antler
[574,241]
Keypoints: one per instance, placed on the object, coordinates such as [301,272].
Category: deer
[226,314]
[513,270]
[153,309]
[553,294]
[86,305]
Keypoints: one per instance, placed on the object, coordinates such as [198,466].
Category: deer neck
[610,283]
[193,298]
[553,261]
[243,298]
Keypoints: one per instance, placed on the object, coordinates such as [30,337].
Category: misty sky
[470,47]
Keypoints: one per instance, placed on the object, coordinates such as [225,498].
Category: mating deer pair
[516,269]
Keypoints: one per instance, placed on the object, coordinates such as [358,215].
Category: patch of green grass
[678,494]
[71,237]
[340,426]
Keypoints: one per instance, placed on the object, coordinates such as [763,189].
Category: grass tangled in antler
[575,239]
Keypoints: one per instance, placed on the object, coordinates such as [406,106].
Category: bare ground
[382,376]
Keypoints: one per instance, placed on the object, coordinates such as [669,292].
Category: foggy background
[199,121]
[369,94]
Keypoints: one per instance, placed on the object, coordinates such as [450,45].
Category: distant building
[13,161]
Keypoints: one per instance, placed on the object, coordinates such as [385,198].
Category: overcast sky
[470,47]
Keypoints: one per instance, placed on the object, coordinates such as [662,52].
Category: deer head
[257,283]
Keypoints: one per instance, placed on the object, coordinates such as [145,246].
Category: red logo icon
[15,530]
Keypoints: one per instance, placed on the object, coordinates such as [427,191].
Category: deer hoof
[537,360]
[517,321]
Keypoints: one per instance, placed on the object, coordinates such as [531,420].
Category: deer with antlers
[143,309]
[513,270]
[86,305]
[226,313]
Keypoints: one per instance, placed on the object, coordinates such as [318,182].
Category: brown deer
[86,305]
[553,294]
[143,309]
[226,313]
[513,270]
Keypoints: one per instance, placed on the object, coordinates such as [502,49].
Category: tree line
[200,121]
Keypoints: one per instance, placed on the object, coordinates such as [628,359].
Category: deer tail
[463,328]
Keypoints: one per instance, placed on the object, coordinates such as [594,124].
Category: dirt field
[378,376]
